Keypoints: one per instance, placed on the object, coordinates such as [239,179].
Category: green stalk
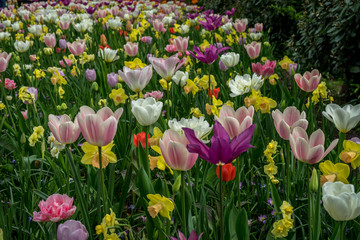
[183,201]
[340,143]
[168,101]
[342,230]
[221,205]
[210,99]
[101,181]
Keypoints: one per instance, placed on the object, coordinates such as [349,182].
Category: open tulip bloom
[210,54]
[345,118]
[222,150]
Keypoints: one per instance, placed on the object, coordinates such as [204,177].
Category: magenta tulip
[287,121]
[265,70]
[64,130]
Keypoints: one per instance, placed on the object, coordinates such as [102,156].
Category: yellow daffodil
[159,204]
[284,63]
[279,229]
[196,112]
[191,87]
[91,156]
[154,140]
[118,96]
[136,63]
[158,161]
[286,208]
[2,106]
[351,153]
[334,172]
[204,81]
[164,84]
[264,104]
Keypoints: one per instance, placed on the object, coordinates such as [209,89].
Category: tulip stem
[146,162]
[221,204]
[342,230]
[183,200]
[340,143]
[101,180]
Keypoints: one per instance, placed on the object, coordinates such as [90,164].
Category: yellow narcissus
[92,155]
[351,153]
[334,172]
[160,204]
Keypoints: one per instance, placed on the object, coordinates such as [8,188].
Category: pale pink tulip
[136,79]
[64,130]
[309,81]
[24,114]
[32,57]
[50,40]
[287,121]
[174,151]
[235,122]
[159,26]
[99,128]
[67,61]
[77,48]
[259,27]
[311,150]
[4,61]
[64,25]
[131,49]
[101,13]
[181,44]
[9,84]
[239,25]
[57,207]
[166,68]
[253,49]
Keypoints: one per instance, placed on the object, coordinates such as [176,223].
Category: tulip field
[163,120]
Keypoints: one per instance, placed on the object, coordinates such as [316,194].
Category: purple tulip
[193,236]
[212,22]
[34,92]
[90,75]
[222,66]
[222,150]
[230,13]
[112,79]
[293,67]
[62,43]
[72,230]
[210,54]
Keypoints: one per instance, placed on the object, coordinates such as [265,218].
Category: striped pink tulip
[309,81]
[77,48]
[239,25]
[131,49]
[181,44]
[4,61]
[50,40]
[64,130]
[287,121]
[253,49]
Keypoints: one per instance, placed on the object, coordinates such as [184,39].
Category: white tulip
[257,82]
[227,26]
[108,54]
[180,77]
[21,46]
[146,111]
[4,36]
[114,24]
[255,36]
[200,126]
[345,118]
[230,59]
[341,201]
[35,29]
[184,29]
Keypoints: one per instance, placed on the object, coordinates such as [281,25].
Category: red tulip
[140,137]
[228,172]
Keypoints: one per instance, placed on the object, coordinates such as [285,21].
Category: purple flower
[62,43]
[355,140]
[90,75]
[34,94]
[222,66]
[262,218]
[222,150]
[230,13]
[112,79]
[72,230]
[212,22]
[270,201]
[193,236]
[210,54]
[293,67]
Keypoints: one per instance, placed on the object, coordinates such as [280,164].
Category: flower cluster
[108,226]
[271,169]
[36,136]
[281,227]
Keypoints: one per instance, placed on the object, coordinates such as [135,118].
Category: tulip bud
[314,181]
[90,75]
[9,98]
[176,185]
[95,86]
[43,148]
[168,102]
[103,40]
[48,51]
[22,138]
[228,172]
[128,26]
[17,59]
[92,104]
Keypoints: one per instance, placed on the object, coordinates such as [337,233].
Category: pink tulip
[253,49]
[259,27]
[101,13]
[32,57]
[181,44]
[287,121]
[131,49]
[9,84]
[136,79]
[159,26]
[166,68]
[77,48]
[265,70]
[24,114]
[98,129]
[235,122]
[67,61]
[50,40]
[170,48]
[175,153]
[57,207]
[64,130]
[309,81]
[64,25]
[311,150]
[239,25]
[4,61]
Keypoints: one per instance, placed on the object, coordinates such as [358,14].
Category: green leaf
[242,226]
[275,197]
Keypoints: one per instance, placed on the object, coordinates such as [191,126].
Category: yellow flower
[214,109]
[288,222]
[33,139]
[204,81]
[136,63]
[102,102]
[110,219]
[118,95]
[39,130]
[270,150]
[39,73]
[164,84]
[158,161]
[273,78]
[2,106]
[270,169]
[334,172]
[154,140]
[196,112]
[264,104]
[160,204]
[204,45]
[351,153]
[218,37]
[284,63]
[112,236]
[279,229]
[92,155]
[191,87]
[61,92]
[286,208]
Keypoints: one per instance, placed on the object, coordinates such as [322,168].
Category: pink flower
[259,27]
[155,94]
[24,114]
[287,121]
[64,24]
[311,150]
[131,49]
[67,61]
[99,128]
[50,40]
[101,13]
[309,81]
[265,70]
[181,44]
[253,49]
[57,207]
[173,147]
[146,40]
[159,26]
[64,130]
[170,48]
[77,48]
[4,61]
[239,25]
[10,84]
[136,79]
[235,122]
[166,68]
[32,57]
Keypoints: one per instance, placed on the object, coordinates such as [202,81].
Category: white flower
[35,29]
[55,152]
[83,26]
[4,36]
[21,46]
[127,16]
[108,54]
[240,85]
[256,82]
[184,29]
[227,27]
[114,24]
[180,77]
[167,20]
[341,201]
[7,23]
[15,26]
[200,126]
[146,111]
[255,36]
[230,59]
[345,118]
